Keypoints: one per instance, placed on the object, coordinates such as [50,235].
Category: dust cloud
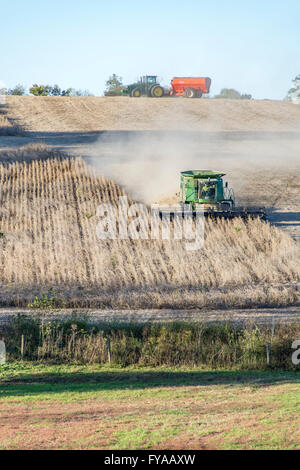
[147,164]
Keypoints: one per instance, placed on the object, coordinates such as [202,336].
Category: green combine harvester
[207,188]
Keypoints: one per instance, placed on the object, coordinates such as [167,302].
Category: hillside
[255,142]
[82,114]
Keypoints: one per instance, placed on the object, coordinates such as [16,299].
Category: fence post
[2,352]
[268,353]
[22,346]
[108,350]
[273,328]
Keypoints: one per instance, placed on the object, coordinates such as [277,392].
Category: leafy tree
[113,86]
[294,92]
[40,90]
[231,94]
[18,90]
[67,92]
[55,91]
[81,93]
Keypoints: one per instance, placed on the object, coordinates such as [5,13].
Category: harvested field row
[57,114]
[48,239]
[7,126]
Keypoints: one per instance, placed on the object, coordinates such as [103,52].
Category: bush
[231,94]
[18,90]
[113,86]
[40,90]
[294,92]
[176,344]
[48,300]
[48,90]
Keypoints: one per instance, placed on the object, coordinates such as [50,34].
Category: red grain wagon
[191,87]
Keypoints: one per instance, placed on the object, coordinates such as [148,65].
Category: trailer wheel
[157,91]
[190,93]
[199,93]
[136,93]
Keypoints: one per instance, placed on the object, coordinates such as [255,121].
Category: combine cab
[206,189]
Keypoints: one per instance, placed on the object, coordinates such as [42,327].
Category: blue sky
[253,46]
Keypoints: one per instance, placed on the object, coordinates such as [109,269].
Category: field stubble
[48,239]
[8,125]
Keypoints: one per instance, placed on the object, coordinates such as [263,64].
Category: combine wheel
[157,91]
[190,93]
[136,93]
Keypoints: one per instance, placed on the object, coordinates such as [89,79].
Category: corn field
[48,240]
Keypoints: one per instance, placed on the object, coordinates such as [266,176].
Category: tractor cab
[149,79]
[147,83]
[205,187]
[146,86]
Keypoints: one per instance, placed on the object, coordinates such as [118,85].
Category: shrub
[113,86]
[174,344]
[231,94]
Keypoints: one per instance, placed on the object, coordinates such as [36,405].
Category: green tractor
[206,188]
[147,86]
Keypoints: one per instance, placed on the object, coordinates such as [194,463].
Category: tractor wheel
[190,93]
[199,93]
[157,91]
[136,93]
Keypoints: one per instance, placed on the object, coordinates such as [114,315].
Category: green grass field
[92,407]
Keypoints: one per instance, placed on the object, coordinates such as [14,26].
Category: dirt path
[264,316]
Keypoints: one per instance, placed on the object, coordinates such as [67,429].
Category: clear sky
[250,45]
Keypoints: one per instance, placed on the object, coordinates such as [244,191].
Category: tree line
[115,83]
[44,90]
[114,86]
